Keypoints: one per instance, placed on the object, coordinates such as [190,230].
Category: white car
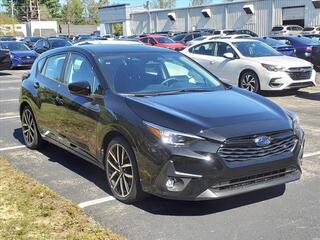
[286,30]
[95,42]
[252,64]
[311,30]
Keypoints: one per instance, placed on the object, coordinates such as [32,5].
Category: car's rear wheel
[31,135]
[122,172]
[249,80]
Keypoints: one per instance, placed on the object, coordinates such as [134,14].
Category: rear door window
[277,28]
[203,49]
[54,67]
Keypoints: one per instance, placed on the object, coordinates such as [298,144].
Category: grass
[29,210]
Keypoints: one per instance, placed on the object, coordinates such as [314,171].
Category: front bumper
[21,63]
[276,81]
[199,174]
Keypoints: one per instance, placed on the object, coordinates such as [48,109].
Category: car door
[203,54]
[81,113]
[48,85]
[226,69]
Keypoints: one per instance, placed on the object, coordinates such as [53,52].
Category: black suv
[157,122]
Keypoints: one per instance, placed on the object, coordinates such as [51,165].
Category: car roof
[96,42]
[11,42]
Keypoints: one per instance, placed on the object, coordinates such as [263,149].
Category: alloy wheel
[249,82]
[28,127]
[119,170]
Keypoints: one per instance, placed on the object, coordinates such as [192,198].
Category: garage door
[293,13]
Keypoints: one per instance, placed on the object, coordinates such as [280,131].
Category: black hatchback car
[159,123]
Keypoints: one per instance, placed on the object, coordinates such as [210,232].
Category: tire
[122,172]
[249,80]
[30,132]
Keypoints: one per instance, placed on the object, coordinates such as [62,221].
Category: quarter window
[54,67]
[222,48]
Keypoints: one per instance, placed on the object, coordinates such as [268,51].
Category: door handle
[36,84]
[59,101]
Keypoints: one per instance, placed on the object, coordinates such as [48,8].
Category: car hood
[215,115]
[24,53]
[283,61]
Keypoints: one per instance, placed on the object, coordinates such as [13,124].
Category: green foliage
[200,2]
[7,19]
[163,4]
[118,29]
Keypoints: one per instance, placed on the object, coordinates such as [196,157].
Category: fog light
[174,184]
[273,83]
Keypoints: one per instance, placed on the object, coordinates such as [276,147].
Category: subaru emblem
[262,141]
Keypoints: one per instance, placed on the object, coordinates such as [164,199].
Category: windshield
[14,46]
[59,43]
[178,37]
[155,73]
[271,41]
[308,29]
[256,49]
[164,40]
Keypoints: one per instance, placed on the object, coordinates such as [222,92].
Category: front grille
[301,73]
[244,149]
[31,58]
[253,179]
[301,85]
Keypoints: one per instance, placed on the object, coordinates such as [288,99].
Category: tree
[163,4]
[73,12]
[199,2]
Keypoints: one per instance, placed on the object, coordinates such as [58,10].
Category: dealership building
[256,15]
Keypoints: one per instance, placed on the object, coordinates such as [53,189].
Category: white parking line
[96,201]
[10,117]
[311,154]
[12,148]
[9,100]
[9,88]
[10,81]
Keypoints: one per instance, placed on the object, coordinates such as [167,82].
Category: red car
[162,41]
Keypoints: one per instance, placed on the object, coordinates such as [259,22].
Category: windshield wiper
[171,92]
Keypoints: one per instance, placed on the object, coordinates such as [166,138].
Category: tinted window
[54,66]
[277,28]
[255,49]
[229,32]
[308,29]
[271,41]
[151,41]
[153,72]
[178,37]
[188,38]
[144,40]
[59,43]
[164,40]
[217,32]
[203,49]
[222,48]
[41,63]
[285,41]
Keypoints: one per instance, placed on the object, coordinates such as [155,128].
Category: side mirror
[26,75]
[228,55]
[80,88]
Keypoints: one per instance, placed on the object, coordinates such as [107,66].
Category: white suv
[252,64]
[286,30]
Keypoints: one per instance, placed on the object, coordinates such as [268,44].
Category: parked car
[185,37]
[162,41]
[252,64]
[8,38]
[224,32]
[208,31]
[199,39]
[279,46]
[97,42]
[157,122]
[311,30]
[306,48]
[247,32]
[286,30]
[5,60]
[50,43]
[20,54]
[30,41]
[212,37]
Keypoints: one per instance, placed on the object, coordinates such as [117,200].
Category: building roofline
[114,5]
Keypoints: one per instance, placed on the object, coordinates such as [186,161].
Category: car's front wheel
[122,172]
[31,135]
[249,80]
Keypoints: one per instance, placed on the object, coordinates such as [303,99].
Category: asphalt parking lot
[291,212]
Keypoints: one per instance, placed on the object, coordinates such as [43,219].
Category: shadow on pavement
[153,204]
[297,93]
[161,206]
[5,74]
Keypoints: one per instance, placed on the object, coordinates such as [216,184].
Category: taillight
[308,49]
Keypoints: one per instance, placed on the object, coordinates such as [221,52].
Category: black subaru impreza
[158,123]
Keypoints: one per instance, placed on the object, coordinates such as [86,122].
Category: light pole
[12,17]
[39,19]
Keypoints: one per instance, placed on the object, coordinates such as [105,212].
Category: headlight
[273,68]
[295,122]
[171,137]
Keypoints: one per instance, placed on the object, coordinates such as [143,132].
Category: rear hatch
[286,50]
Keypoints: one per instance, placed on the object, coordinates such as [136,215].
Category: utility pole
[148,9]
[39,19]
[12,17]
